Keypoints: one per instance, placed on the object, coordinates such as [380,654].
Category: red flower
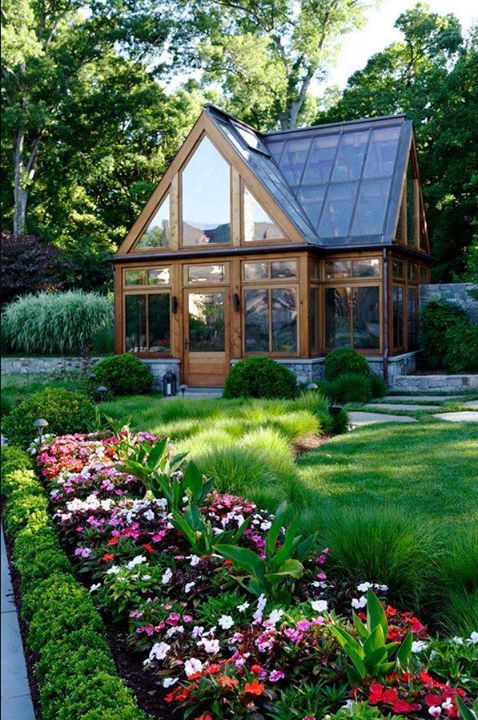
[204,717]
[108,556]
[254,688]
[402,706]
[376,693]
[256,669]
[212,669]
[227,682]
[431,700]
[227,563]
[114,540]
[148,547]
[390,696]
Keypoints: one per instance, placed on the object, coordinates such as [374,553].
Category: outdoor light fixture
[174,304]
[40,424]
[312,386]
[102,391]
[236,301]
[170,384]
[183,389]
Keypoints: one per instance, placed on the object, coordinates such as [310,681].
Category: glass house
[287,244]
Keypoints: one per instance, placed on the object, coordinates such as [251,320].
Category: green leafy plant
[199,532]
[465,712]
[5,406]
[65,411]
[436,319]
[124,375]
[260,377]
[276,573]
[345,360]
[370,654]
[461,354]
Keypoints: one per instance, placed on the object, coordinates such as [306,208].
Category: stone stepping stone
[471,403]
[357,417]
[465,416]
[398,406]
[418,398]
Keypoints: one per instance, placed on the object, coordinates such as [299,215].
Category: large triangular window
[258,225]
[206,197]
[156,234]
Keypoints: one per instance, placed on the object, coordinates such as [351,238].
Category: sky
[379,32]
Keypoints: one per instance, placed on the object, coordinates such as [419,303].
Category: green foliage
[437,317]
[300,701]
[462,347]
[260,377]
[60,322]
[453,661]
[361,711]
[275,574]
[124,375]
[465,712]
[460,616]
[14,458]
[370,654]
[345,360]
[75,671]
[5,406]
[349,387]
[199,532]
[65,411]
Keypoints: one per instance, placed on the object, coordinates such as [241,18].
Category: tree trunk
[20,192]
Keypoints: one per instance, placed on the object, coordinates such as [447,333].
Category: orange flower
[256,669]
[227,682]
[212,669]
[148,547]
[114,540]
[254,688]
[108,556]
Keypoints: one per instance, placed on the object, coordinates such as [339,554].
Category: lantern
[170,384]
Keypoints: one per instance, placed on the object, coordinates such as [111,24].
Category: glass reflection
[397,309]
[412,319]
[321,160]
[256,320]
[157,232]
[257,223]
[366,318]
[283,269]
[314,320]
[158,323]
[312,199]
[256,271]
[371,207]
[338,207]
[206,322]
[284,320]
[337,317]
[350,156]
[336,269]
[381,152]
[135,323]
[293,160]
[366,268]
[206,274]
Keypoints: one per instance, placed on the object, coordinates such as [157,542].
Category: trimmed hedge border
[75,671]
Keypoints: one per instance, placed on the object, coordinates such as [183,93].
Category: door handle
[186,343]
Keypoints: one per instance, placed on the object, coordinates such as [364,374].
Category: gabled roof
[340,184]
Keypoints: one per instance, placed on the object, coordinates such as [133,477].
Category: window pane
[412,272]
[312,199]
[206,322]
[256,320]
[338,207]
[371,207]
[424,274]
[337,319]
[336,269]
[382,152]
[135,323]
[157,232]
[158,276]
[256,270]
[321,160]
[135,277]
[293,160]
[366,268]
[411,235]
[284,320]
[284,269]
[206,197]
[412,297]
[276,148]
[348,165]
[314,320]
[158,324]
[257,223]
[397,268]
[314,270]
[366,318]
[397,307]
[206,274]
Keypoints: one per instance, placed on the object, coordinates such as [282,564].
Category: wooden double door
[206,336]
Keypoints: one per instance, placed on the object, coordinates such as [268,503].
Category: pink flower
[276,675]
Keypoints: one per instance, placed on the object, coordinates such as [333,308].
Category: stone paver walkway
[16,700]
[434,399]
[471,403]
[198,393]
[400,406]
[463,416]
[357,417]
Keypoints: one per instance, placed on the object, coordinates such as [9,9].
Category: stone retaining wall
[32,365]
[448,383]
[453,292]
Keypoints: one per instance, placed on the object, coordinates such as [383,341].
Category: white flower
[174,630]
[188,586]
[195,560]
[261,603]
[359,602]
[197,631]
[275,616]
[136,561]
[167,575]
[95,587]
[243,607]
[473,639]
[167,682]
[448,704]
[382,588]
[191,666]
[114,570]
[457,640]
[319,605]
[348,705]
[363,587]
[226,622]
[159,651]
[146,577]
[435,711]
[266,525]
[210,646]
[418,646]
[149,515]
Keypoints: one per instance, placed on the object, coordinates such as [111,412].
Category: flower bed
[230,612]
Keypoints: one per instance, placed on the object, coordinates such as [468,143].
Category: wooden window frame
[344,284]
[269,286]
[146,269]
[157,290]
[270,279]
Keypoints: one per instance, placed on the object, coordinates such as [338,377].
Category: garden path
[465,410]
[16,699]
[358,417]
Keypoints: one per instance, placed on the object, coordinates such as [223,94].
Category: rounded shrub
[5,406]
[260,377]
[66,411]
[124,375]
[345,360]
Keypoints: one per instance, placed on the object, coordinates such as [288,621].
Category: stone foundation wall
[444,383]
[453,292]
[159,367]
[32,365]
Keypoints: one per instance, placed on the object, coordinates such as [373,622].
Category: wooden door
[206,337]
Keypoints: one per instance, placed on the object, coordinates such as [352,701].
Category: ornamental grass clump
[56,323]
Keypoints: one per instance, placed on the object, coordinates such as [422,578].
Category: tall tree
[431,76]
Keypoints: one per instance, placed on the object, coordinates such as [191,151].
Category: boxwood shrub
[345,360]
[75,670]
[124,375]
[260,377]
[66,412]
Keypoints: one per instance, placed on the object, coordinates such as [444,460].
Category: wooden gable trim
[423,226]
[204,126]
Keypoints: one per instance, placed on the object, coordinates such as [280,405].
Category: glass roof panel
[321,160]
[382,152]
[293,160]
[371,206]
[350,157]
[276,149]
[339,203]
[312,199]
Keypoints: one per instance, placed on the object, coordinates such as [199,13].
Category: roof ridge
[340,123]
